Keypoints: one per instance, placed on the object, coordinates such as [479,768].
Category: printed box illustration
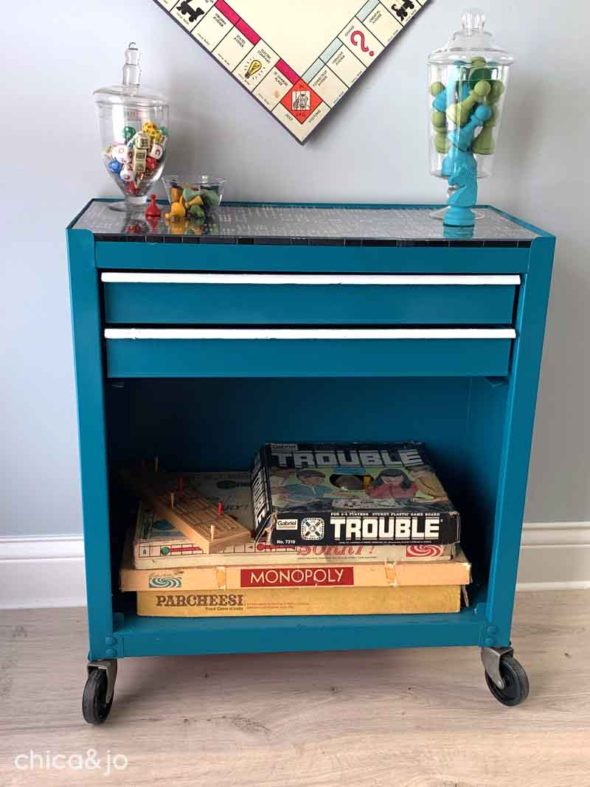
[350,493]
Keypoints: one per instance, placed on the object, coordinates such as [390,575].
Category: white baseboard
[49,572]
[42,572]
[555,555]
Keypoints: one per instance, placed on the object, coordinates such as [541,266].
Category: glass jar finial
[473,21]
[131,69]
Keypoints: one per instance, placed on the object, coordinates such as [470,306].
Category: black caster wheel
[96,702]
[516,682]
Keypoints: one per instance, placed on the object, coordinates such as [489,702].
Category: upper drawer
[285,299]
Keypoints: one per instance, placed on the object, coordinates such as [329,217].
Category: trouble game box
[350,493]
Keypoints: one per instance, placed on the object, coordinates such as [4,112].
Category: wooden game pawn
[439,123]
[436,88]
[441,142]
[479,71]
[460,113]
[484,144]
[439,119]
[496,92]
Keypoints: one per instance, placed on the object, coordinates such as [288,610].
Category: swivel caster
[505,676]
[97,698]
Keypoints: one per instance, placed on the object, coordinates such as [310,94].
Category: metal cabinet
[290,322]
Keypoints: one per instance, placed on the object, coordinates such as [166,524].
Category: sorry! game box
[350,493]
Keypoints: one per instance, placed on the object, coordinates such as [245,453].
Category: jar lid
[470,42]
[129,92]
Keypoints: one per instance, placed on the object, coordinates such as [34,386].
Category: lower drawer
[308,352]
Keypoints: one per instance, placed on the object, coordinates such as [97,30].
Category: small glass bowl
[193,197]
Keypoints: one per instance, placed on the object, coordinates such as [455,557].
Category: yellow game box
[301,601]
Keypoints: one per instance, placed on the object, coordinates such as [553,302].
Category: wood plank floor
[415,718]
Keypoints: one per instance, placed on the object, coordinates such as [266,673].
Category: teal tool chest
[315,323]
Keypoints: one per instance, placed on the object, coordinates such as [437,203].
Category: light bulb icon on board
[253,68]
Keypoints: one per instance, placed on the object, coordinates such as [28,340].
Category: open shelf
[207,425]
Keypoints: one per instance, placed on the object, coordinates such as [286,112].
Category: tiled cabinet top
[259,223]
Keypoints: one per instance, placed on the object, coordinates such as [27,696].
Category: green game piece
[479,74]
[482,89]
[164,131]
[496,92]
[484,144]
[460,113]
[196,212]
[454,114]
[439,119]
[441,142]
[128,133]
[188,194]
[211,197]
[494,116]
[436,88]
[478,61]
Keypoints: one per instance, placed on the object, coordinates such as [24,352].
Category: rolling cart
[317,323]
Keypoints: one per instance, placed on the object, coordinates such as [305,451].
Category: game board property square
[296,59]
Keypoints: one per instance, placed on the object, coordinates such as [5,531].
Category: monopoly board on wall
[297,59]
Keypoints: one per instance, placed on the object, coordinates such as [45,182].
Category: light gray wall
[54,54]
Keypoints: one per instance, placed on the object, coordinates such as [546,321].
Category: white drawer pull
[307,279]
[309,333]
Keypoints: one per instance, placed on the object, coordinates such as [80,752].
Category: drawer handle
[308,279]
[309,333]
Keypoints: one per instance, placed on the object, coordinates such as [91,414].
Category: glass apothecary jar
[470,71]
[467,86]
[134,133]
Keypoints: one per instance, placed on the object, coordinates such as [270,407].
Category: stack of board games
[414,570]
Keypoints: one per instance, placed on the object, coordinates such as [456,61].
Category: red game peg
[152,210]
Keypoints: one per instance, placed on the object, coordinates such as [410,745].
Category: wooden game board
[297,59]
[187,511]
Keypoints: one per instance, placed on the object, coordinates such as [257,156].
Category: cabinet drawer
[308,352]
[298,299]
